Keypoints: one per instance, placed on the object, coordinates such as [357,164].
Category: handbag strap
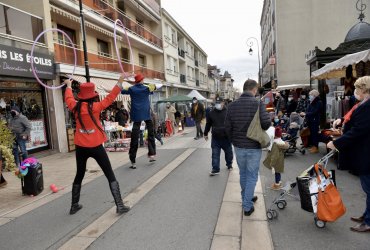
[319,168]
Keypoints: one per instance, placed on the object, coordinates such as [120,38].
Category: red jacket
[92,136]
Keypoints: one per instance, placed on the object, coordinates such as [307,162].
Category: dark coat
[239,116]
[121,117]
[199,115]
[354,142]
[216,121]
[313,112]
[291,106]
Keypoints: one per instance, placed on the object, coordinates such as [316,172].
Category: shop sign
[17,62]
[38,135]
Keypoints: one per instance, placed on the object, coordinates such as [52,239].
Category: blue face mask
[311,98]
[276,120]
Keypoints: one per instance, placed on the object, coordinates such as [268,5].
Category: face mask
[357,96]
[167,106]
[311,98]
[218,106]
[276,120]
[195,101]
[13,113]
[290,98]
[303,97]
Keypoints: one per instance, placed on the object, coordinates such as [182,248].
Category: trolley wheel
[269,215]
[303,151]
[274,213]
[284,201]
[319,223]
[280,205]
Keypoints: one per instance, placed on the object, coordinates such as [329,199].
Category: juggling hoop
[117,51]
[32,61]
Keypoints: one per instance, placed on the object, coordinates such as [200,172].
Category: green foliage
[6,136]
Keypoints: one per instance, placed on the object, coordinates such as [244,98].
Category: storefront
[18,87]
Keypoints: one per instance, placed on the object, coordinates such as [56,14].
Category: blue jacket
[140,105]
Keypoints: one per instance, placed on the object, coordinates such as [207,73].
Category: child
[275,158]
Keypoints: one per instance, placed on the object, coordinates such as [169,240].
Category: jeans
[217,145]
[135,140]
[365,183]
[21,143]
[249,163]
[199,129]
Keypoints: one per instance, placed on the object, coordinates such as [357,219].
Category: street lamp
[250,44]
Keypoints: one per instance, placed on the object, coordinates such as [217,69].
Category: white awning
[293,86]
[195,93]
[337,69]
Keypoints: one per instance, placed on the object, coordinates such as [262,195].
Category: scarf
[347,117]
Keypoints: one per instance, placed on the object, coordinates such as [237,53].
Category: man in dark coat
[197,113]
[216,121]
[248,152]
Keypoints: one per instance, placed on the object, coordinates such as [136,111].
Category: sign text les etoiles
[17,62]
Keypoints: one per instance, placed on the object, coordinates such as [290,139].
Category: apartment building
[26,19]
[290,29]
[226,86]
[185,62]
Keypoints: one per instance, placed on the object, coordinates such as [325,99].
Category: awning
[293,86]
[177,98]
[109,83]
[337,69]
[196,94]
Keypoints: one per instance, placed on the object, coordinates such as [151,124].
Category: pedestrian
[178,119]
[275,158]
[291,105]
[354,143]
[170,110]
[280,104]
[140,111]
[89,138]
[209,108]
[197,113]
[216,121]
[312,115]
[21,128]
[154,117]
[122,116]
[303,103]
[248,153]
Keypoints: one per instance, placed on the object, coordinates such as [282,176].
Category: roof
[359,31]
[337,69]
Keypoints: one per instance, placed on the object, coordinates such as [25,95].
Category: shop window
[142,60]
[20,24]
[103,48]
[30,100]
[70,32]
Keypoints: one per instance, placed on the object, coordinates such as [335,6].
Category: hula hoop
[33,47]
[117,51]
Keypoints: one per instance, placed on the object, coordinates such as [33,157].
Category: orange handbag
[329,205]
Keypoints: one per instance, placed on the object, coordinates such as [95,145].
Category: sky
[221,29]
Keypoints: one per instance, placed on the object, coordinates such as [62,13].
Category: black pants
[135,140]
[101,157]
[199,129]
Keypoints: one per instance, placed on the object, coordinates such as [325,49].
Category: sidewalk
[59,169]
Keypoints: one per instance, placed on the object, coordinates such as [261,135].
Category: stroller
[280,201]
[295,125]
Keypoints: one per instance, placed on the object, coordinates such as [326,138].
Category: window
[103,48]
[190,73]
[70,32]
[18,23]
[171,65]
[125,56]
[142,60]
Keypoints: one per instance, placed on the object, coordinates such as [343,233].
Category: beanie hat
[278,132]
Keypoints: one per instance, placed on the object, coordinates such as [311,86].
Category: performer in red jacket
[89,138]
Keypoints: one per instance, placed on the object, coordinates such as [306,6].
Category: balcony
[196,63]
[181,52]
[64,54]
[107,11]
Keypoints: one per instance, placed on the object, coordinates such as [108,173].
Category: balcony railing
[64,54]
[181,52]
[103,8]
[182,78]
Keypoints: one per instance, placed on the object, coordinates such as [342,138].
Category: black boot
[76,188]
[114,188]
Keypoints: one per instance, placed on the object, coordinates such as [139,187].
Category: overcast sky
[221,29]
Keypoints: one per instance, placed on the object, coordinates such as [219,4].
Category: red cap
[278,132]
[87,91]
[138,78]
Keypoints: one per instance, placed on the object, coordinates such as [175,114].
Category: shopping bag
[256,133]
[329,202]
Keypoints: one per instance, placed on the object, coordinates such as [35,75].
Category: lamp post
[84,42]
[250,44]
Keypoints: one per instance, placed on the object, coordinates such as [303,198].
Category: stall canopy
[337,69]
[177,98]
[195,93]
[293,86]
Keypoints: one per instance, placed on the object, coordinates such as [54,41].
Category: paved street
[175,205]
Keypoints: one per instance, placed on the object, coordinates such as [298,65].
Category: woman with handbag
[355,142]
[89,138]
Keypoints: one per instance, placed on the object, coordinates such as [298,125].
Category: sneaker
[248,213]
[196,138]
[254,199]
[214,172]
[152,158]
[230,168]
[161,142]
[276,186]
[133,165]
[314,150]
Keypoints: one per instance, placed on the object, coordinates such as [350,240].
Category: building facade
[185,62]
[289,29]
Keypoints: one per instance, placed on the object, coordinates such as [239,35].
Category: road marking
[89,234]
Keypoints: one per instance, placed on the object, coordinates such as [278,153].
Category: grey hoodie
[20,125]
